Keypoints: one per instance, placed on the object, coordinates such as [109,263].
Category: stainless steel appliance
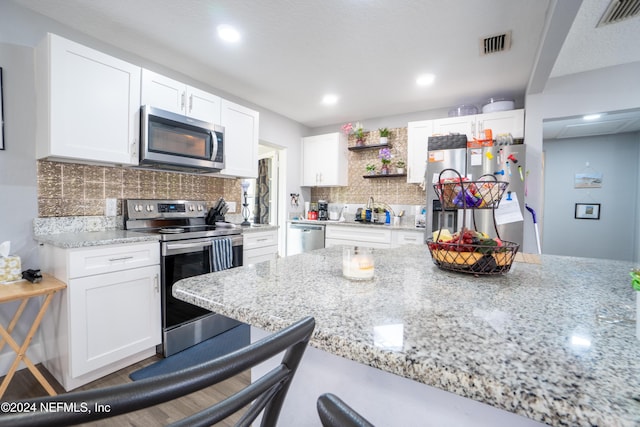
[302,237]
[176,142]
[443,153]
[323,210]
[188,247]
[506,163]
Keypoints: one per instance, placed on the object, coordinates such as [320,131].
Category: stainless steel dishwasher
[302,237]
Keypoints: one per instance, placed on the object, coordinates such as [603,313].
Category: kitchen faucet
[370,203]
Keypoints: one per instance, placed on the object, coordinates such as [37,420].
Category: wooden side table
[25,291]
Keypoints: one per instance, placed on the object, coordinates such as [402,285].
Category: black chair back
[264,395]
[333,412]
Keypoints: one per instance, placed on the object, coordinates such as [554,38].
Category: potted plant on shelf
[400,165]
[384,136]
[371,169]
[357,131]
[385,157]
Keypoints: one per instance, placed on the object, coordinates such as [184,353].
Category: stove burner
[172,230]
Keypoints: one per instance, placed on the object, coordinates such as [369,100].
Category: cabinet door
[241,127]
[407,237]
[462,125]
[511,121]
[325,160]
[162,92]
[113,316]
[418,134]
[203,106]
[94,102]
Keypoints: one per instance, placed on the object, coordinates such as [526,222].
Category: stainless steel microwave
[175,142]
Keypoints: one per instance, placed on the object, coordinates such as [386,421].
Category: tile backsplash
[70,189]
[394,190]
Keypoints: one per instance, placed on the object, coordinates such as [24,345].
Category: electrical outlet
[111,207]
[232,207]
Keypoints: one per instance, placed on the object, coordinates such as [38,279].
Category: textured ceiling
[368,52]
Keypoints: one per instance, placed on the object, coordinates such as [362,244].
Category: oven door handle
[173,246]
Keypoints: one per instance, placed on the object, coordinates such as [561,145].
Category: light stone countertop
[86,239]
[529,341]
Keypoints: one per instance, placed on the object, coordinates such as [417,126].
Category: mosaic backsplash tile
[394,190]
[70,189]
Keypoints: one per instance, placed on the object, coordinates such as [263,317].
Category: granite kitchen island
[551,342]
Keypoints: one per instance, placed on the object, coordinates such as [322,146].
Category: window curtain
[261,208]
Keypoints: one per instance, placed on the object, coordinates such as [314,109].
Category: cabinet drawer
[106,259]
[257,255]
[407,237]
[341,242]
[361,234]
[260,240]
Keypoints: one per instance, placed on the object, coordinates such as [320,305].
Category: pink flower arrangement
[347,128]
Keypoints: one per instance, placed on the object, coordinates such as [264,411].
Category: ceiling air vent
[619,10]
[494,44]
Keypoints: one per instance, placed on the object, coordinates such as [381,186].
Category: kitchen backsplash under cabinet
[70,189]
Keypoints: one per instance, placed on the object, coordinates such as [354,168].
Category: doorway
[264,189]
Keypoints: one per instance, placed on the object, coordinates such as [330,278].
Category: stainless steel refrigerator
[506,163]
[444,152]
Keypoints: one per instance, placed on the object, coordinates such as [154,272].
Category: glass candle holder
[358,263]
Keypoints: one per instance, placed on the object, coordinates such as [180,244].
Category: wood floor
[25,386]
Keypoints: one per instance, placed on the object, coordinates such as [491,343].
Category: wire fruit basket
[469,250]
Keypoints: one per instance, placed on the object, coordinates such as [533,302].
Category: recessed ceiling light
[228,33]
[591,117]
[329,99]
[425,79]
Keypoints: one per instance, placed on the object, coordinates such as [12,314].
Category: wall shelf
[368,147]
[390,175]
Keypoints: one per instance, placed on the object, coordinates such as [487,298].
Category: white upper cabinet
[171,95]
[241,127]
[88,104]
[500,122]
[325,160]
[418,134]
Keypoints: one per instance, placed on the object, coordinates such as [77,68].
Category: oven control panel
[148,209]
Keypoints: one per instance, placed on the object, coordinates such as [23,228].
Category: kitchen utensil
[498,104]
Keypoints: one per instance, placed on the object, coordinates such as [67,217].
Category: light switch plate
[111,207]
[232,207]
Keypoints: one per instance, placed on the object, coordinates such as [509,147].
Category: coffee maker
[323,210]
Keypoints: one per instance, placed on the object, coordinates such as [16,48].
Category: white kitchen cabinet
[418,134]
[500,122]
[259,246]
[511,121]
[108,317]
[88,104]
[325,160]
[378,236]
[374,236]
[171,95]
[241,132]
[407,237]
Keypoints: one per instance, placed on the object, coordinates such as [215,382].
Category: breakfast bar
[551,342]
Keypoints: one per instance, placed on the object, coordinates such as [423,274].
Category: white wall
[612,236]
[607,89]
[18,201]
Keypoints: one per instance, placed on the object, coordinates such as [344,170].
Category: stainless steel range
[188,247]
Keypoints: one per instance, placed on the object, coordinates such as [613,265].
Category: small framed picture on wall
[1,114]
[587,211]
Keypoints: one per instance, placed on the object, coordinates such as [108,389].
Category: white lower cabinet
[369,237]
[108,317]
[259,246]
[379,236]
[407,237]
